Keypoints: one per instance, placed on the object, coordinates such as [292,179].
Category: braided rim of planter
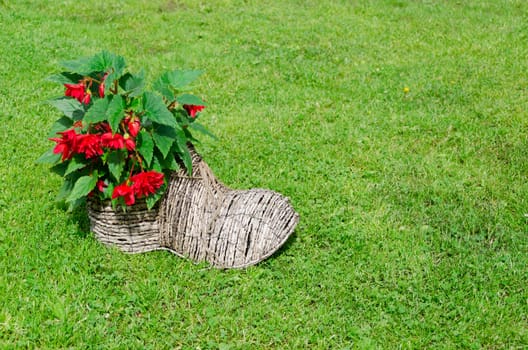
[201,219]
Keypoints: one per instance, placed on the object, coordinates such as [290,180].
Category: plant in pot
[117,140]
[126,149]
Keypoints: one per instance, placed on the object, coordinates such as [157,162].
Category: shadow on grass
[283,248]
[79,217]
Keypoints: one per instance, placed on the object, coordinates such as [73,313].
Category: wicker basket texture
[201,219]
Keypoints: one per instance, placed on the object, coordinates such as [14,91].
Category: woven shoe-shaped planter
[202,219]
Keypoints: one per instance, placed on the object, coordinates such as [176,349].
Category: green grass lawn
[413,203]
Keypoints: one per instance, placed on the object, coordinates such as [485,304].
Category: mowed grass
[413,230]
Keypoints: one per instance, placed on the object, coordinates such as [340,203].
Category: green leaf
[164,137]
[133,84]
[115,112]
[156,111]
[62,124]
[69,106]
[60,169]
[187,160]
[180,79]
[76,203]
[155,197]
[48,157]
[145,146]
[116,163]
[156,165]
[170,162]
[75,164]
[188,99]
[104,61]
[109,190]
[81,66]
[199,127]
[65,78]
[136,105]
[117,67]
[162,85]
[189,136]
[185,155]
[83,186]
[65,190]
[97,113]
[175,80]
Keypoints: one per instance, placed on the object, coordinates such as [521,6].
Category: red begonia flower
[126,192]
[193,109]
[133,127]
[115,141]
[130,144]
[101,185]
[86,98]
[102,86]
[79,92]
[90,145]
[67,144]
[75,90]
[147,182]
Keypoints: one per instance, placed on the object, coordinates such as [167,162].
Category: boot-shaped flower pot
[201,219]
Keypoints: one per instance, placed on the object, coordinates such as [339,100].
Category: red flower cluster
[67,144]
[117,141]
[81,92]
[140,185]
[91,145]
[193,110]
[116,129]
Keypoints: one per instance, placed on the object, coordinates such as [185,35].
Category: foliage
[116,140]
